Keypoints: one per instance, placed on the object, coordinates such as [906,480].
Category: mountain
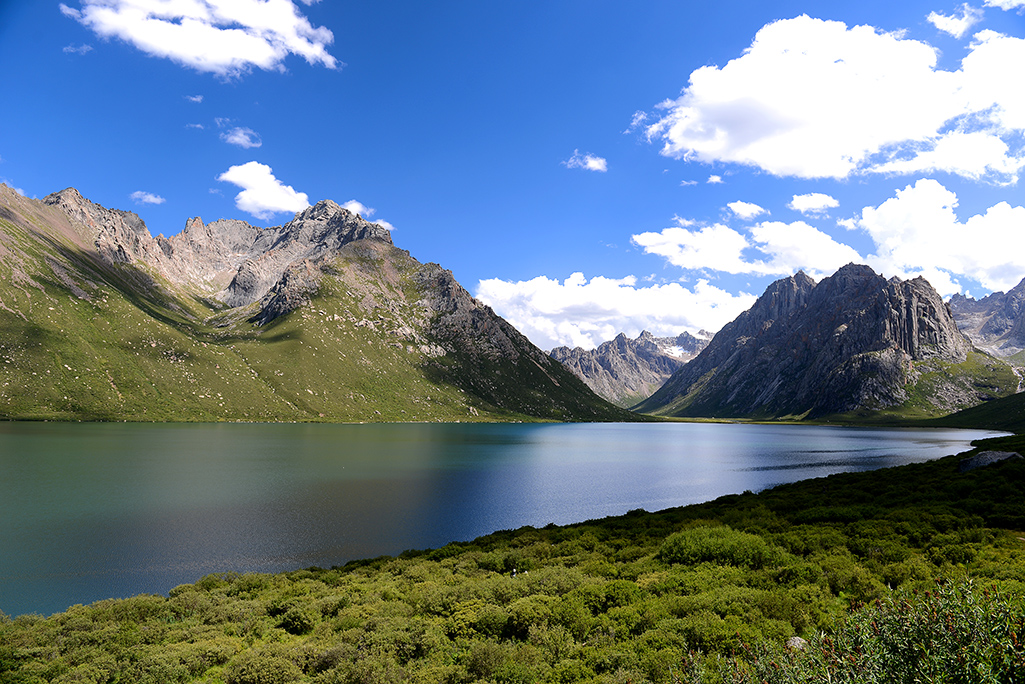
[995,323]
[854,343]
[626,371]
[322,318]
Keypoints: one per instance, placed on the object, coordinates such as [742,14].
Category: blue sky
[585,167]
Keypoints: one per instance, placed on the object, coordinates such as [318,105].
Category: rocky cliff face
[853,342]
[229,260]
[626,371]
[995,323]
[322,318]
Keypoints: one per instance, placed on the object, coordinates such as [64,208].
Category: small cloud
[194,98]
[70,12]
[357,207]
[12,186]
[639,118]
[746,210]
[690,182]
[683,222]
[221,121]
[813,204]
[262,194]
[140,197]
[199,126]
[1005,4]
[83,49]
[245,138]
[384,224]
[586,161]
[714,180]
[956,25]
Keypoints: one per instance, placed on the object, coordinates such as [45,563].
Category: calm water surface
[91,511]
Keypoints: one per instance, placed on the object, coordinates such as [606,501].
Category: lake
[91,510]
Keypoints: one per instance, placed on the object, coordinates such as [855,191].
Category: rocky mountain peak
[855,340]
[996,322]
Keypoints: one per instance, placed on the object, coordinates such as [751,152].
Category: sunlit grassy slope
[81,339]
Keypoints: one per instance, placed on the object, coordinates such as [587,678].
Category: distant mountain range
[995,323]
[322,318]
[854,343]
[626,371]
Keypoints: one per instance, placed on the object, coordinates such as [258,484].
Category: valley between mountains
[325,319]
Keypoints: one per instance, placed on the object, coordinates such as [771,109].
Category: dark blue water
[92,511]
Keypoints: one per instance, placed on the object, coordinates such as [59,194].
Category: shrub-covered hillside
[703,593]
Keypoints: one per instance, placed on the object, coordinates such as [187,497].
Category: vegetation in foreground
[706,593]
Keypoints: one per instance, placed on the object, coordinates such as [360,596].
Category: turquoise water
[92,511]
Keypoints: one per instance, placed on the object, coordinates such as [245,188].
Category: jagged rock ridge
[625,371]
[853,342]
[995,323]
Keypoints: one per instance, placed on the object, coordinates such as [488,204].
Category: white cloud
[242,137]
[956,25]
[769,248]
[714,180]
[262,194]
[813,204]
[917,232]
[972,155]
[584,313]
[83,49]
[816,99]
[1005,4]
[586,161]
[199,126]
[224,37]
[194,98]
[690,182]
[799,246]
[357,207]
[140,197]
[746,210]
[714,248]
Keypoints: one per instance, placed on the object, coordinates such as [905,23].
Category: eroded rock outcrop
[995,323]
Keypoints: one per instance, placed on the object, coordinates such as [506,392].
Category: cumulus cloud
[83,49]
[956,24]
[262,194]
[746,210]
[224,37]
[242,137]
[140,197]
[816,99]
[586,161]
[578,312]
[917,232]
[715,180]
[194,98]
[769,248]
[813,203]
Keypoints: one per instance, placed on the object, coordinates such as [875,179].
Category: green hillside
[83,339]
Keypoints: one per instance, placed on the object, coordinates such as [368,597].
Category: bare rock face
[625,371]
[853,341]
[995,323]
[228,260]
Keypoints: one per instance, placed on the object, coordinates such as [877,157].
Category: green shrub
[722,545]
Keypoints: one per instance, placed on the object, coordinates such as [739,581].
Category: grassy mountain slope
[85,339]
[702,593]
